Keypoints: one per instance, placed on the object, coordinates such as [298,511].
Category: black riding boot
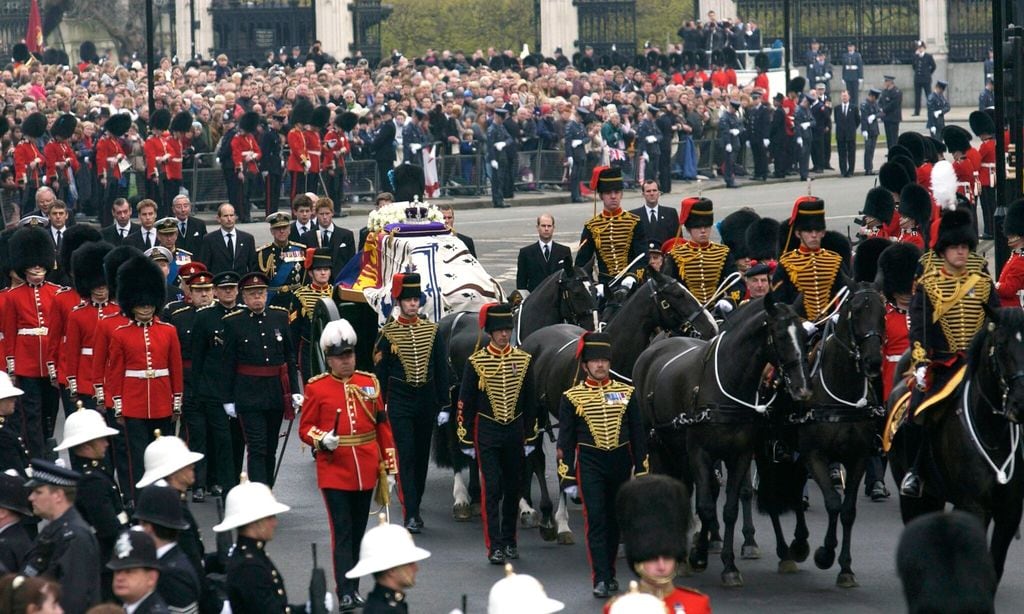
[917,438]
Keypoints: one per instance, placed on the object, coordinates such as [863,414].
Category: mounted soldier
[701,264]
[807,268]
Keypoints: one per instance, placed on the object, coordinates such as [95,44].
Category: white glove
[569,160]
[573,492]
[809,327]
[415,147]
[728,148]
[919,376]
[528,449]
[805,125]
[932,129]
[723,306]
[799,141]
[599,290]
[225,608]
[297,400]
[871,119]
[499,145]
[494,164]
[330,441]
[329,601]
[470,452]
[307,164]
[576,143]
[442,418]
[627,282]
[645,157]
[766,142]
[735,132]
[937,113]
[864,134]
[392,480]
[229,409]
[651,139]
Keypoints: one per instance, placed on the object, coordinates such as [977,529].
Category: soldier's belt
[146,373]
[357,440]
[498,420]
[34,332]
[893,357]
[86,351]
[603,448]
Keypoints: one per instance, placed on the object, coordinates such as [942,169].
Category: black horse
[566,295]
[974,437]
[662,303]
[716,391]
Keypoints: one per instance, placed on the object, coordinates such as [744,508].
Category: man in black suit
[847,123]
[657,223]
[325,233]
[449,221]
[116,233]
[145,237]
[302,217]
[227,248]
[191,229]
[383,146]
[44,198]
[542,258]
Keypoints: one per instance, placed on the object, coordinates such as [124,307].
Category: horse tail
[780,486]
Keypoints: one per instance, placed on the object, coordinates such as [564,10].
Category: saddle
[913,403]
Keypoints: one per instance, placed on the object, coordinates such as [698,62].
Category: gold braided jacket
[700,267]
[602,409]
[413,343]
[957,304]
[501,376]
[813,273]
[930,261]
[612,236]
[309,294]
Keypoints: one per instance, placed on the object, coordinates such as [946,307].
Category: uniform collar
[806,250]
[407,321]
[319,287]
[142,324]
[614,213]
[496,352]
[593,383]
[389,595]
[248,543]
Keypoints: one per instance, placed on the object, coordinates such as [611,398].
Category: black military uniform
[803,129]
[730,131]
[13,450]
[601,442]
[259,377]
[575,153]
[869,115]
[610,237]
[498,142]
[383,600]
[65,551]
[492,421]
[15,542]
[938,106]
[666,123]
[223,461]
[100,504]
[254,583]
[649,144]
[282,264]
[414,380]
[760,121]
[270,164]
[701,268]
[180,582]
[891,105]
[923,65]
[814,274]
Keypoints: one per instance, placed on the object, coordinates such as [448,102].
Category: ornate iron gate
[248,31]
[604,23]
[970,29]
[13,25]
[367,16]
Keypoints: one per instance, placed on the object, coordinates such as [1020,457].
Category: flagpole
[149,57]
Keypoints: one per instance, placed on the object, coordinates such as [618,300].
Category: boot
[912,485]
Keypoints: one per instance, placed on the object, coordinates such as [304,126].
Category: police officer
[601,443]
[388,552]
[820,72]
[158,513]
[730,129]
[760,118]
[575,152]
[869,115]
[65,550]
[700,263]
[99,498]
[924,65]
[494,428]
[318,263]
[891,105]
[414,381]
[498,139]
[803,127]
[807,268]
[612,237]
[344,421]
[853,71]
[946,312]
[281,260]
[938,106]
[136,571]
[15,542]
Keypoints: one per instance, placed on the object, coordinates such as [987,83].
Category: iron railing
[609,26]
[250,30]
[970,29]
[13,24]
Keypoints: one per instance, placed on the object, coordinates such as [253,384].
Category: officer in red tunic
[1011,280]
[985,129]
[144,373]
[27,314]
[29,164]
[245,155]
[958,144]
[915,216]
[299,162]
[654,513]
[109,156]
[60,156]
[314,147]
[157,156]
[343,419]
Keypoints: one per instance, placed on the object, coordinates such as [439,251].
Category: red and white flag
[430,183]
[34,33]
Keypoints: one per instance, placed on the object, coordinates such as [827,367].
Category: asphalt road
[458,563]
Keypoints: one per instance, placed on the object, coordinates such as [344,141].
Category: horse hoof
[548,533]
[788,567]
[529,520]
[824,558]
[732,579]
[750,552]
[697,562]
[847,580]
[566,539]
[715,547]
[799,550]
[461,512]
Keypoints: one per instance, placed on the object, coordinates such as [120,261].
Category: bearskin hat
[838,243]
[346,121]
[31,247]
[1013,223]
[940,147]
[140,282]
[64,126]
[797,84]
[916,203]
[956,227]
[761,61]
[160,120]
[734,229]
[34,125]
[408,182]
[896,267]
[761,239]
[931,153]
[320,116]
[898,150]
[87,267]
[654,513]
[118,124]
[182,122]
[914,142]
[892,177]
[248,122]
[302,109]
[865,262]
[981,123]
[75,237]
[19,52]
[87,51]
[113,261]
[879,204]
[908,167]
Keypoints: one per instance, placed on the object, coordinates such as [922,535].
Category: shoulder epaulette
[376,382]
[232,313]
[63,289]
[297,244]
[317,378]
[180,309]
[279,308]
[263,247]
[205,307]
[81,306]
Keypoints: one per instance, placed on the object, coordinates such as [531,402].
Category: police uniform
[601,443]
[245,157]
[65,551]
[803,130]
[612,238]
[281,264]
[412,370]
[180,583]
[498,139]
[137,550]
[303,303]
[1011,279]
[491,420]
[803,271]
[701,267]
[576,156]
[29,164]
[15,542]
[891,105]
[870,114]
[937,108]
[344,421]
[259,377]
[730,130]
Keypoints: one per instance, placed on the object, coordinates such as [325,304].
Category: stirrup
[912,485]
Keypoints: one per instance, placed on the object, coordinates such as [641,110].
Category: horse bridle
[784,366]
[854,343]
[1004,382]
[566,302]
[666,314]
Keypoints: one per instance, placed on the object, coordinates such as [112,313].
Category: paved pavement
[458,566]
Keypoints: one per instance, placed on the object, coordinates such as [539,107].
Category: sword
[284,446]
[322,184]
[731,279]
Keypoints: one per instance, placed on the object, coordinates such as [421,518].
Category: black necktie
[149,243]
[60,238]
[182,227]
[326,237]
[231,245]
[654,216]
[303,230]
[547,252]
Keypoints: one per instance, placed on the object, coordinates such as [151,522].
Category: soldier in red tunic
[336,148]
[27,313]
[915,216]
[109,156]
[985,129]
[1011,280]
[245,156]
[878,211]
[314,148]
[157,156]
[343,419]
[60,157]
[144,370]
[299,163]
[28,160]
[175,141]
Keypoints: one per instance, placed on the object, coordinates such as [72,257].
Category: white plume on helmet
[944,185]
[336,333]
